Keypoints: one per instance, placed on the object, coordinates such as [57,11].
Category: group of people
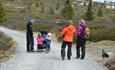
[43,39]
[82,32]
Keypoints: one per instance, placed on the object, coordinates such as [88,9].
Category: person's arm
[30,28]
[79,30]
[42,39]
[63,32]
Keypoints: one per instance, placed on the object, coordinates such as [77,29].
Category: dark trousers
[69,53]
[30,42]
[82,48]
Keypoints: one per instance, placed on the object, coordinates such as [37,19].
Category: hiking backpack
[86,32]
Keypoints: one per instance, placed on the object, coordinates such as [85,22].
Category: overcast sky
[104,0]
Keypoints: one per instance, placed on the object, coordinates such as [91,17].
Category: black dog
[104,54]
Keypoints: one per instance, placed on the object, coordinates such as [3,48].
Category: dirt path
[43,61]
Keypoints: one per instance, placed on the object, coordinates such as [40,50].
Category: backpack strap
[82,33]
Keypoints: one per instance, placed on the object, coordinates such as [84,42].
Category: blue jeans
[48,44]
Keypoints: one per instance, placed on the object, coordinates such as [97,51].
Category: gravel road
[43,61]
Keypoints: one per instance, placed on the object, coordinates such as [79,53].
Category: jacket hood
[70,27]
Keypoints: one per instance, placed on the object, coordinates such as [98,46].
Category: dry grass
[94,50]
[4,55]
[7,47]
[111,63]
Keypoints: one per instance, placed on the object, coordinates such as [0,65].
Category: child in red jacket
[40,42]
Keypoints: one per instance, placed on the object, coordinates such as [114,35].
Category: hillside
[47,12]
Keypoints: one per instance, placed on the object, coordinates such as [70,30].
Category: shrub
[2,13]
[102,28]
[100,11]
[5,42]
[42,26]
[68,11]
[89,15]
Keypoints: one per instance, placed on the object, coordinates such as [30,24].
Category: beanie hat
[49,34]
[70,21]
[39,34]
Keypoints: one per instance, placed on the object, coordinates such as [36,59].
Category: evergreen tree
[42,9]
[68,11]
[2,13]
[105,3]
[57,6]
[52,11]
[89,12]
[110,4]
[100,11]
[84,3]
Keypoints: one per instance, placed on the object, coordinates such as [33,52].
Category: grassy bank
[94,50]
[102,28]
[7,47]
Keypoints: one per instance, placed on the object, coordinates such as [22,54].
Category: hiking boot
[32,51]
[63,58]
[28,50]
[82,58]
[69,58]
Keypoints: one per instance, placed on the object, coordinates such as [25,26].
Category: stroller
[41,48]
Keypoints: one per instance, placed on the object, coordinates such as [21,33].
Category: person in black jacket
[29,37]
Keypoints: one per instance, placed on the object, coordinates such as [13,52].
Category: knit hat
[39,34]
[49,34]
[70,21]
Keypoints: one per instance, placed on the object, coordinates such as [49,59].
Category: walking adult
[81,39]
[29,37]
[67,34]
